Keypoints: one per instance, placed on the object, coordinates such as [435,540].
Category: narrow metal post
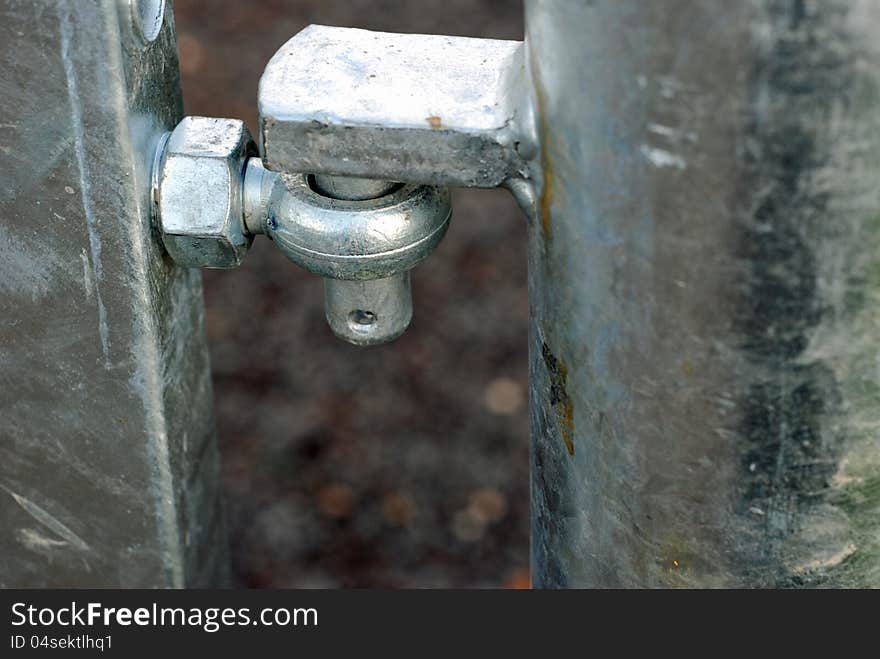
[704,338]
[108,463]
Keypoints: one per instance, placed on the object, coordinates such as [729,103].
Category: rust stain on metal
[434,121]
[560,401]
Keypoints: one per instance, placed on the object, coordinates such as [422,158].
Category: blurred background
[403,465]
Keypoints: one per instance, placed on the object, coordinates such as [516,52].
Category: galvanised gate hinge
[361,134]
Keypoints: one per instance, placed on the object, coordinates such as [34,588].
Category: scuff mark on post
[88,284]
[84,176]
[672,134]
[47,520]
[662,158]
[827,562]
[35,541]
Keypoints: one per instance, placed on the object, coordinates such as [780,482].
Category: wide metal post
[108,463]
[705,280]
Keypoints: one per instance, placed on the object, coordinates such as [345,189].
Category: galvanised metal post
[705,292]
[108,463]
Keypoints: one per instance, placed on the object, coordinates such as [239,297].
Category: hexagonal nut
[200,192]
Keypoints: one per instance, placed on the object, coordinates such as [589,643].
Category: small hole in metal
[361,320]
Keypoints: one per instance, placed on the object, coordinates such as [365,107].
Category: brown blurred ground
[399,466]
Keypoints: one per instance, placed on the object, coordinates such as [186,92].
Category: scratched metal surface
[108,465]
[704,288]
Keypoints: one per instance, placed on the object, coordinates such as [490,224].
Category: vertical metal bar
[108,463]
[704,279]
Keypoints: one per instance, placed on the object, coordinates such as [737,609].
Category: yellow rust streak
[560,401]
